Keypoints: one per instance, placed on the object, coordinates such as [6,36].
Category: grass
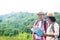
[20,36]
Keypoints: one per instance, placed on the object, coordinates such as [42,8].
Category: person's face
[49,20]
[40,16]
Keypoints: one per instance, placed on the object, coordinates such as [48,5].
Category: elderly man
[42,24]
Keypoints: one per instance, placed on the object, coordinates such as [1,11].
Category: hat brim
[50,16]
[40,14]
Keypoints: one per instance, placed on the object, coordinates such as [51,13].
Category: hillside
[15,23]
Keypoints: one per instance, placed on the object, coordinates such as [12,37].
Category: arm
[56,26]
[50,35]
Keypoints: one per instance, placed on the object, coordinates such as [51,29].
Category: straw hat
[50,15]
[40,13]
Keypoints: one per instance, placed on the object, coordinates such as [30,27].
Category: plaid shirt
[40,25]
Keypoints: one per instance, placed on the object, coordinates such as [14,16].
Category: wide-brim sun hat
[50,14]
[40,13]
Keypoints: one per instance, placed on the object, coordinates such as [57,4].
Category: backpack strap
[45,25]
[53,28]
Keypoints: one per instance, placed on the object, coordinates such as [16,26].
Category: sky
[33,6]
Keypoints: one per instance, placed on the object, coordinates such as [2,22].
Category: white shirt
[49,31]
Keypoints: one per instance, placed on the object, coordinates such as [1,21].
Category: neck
[40,19]
[52,22]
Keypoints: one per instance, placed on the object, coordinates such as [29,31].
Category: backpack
[59,33]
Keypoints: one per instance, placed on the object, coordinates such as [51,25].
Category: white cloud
[7,6]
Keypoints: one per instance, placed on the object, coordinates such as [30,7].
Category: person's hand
[45,34]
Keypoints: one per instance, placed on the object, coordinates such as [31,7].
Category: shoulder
[56,24]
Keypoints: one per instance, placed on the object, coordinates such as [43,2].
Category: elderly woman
[53,29]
